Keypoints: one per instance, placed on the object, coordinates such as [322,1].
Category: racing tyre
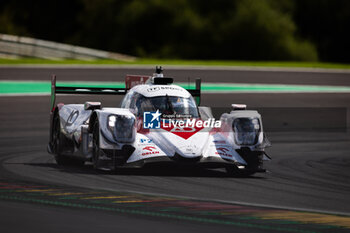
[96,150]
[58,141]
[235,172]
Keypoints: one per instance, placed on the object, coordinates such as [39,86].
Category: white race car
[158,122]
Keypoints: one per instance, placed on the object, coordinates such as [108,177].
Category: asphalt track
[309,170]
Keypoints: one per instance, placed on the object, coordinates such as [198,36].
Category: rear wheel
[58,141]
[96,150]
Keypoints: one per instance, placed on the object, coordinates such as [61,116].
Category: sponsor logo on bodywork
[219,142]
[146,141]
[154,89]
[149,150]
[223,152]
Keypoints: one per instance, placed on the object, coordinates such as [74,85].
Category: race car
[157,123]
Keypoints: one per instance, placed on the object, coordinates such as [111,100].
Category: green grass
[163,62]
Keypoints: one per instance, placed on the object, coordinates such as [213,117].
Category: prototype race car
[157,122]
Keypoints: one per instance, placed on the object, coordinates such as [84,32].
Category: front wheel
[236,172]
[254,160]
[100,160]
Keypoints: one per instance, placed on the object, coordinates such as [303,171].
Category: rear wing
[130,81]
[81,90]
[196,93]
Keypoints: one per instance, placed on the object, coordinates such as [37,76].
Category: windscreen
[168,105]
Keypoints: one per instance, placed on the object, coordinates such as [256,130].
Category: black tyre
[96,151]
[235,172]
[58,141]
[254,163]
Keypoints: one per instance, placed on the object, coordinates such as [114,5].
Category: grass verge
[286,64]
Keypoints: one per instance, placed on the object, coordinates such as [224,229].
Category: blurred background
[266,30]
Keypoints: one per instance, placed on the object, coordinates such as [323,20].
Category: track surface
[309,170]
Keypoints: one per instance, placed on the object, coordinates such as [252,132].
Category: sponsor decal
[189,150]
[219,142]
[223,151]
[154,89]
[177,116]
[149,150]
[146,141]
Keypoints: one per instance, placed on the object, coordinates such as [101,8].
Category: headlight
[246,131]
[122,127]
